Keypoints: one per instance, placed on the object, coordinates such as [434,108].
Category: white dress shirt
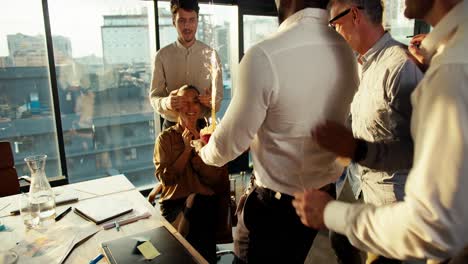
[302,75]
[432,221]
[176,66]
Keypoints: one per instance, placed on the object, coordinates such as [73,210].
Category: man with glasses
[380,144]
[187,61]
[432,220]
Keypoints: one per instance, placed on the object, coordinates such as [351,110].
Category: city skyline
[84,17]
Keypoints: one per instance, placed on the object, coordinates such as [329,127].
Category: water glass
[29,213]
[8,257]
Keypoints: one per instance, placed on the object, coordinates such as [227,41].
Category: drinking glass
[29,213]
[8,257]
[7,254]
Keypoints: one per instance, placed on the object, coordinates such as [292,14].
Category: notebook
[102,209]
[121,251]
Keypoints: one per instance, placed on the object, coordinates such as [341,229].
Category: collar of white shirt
[320,15]
[442,32]
[378,46]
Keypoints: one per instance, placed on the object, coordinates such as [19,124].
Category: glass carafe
[41,194]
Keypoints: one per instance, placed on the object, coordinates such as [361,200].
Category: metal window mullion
[158,46]
[240,25]
[156,26]
[54,87]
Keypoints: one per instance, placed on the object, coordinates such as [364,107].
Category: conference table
[114,187]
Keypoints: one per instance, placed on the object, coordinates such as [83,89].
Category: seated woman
[191,191]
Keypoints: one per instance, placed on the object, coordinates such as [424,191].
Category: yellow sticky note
[148,250]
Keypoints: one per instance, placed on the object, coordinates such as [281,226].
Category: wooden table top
[114,187]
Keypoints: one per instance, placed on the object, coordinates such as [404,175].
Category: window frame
[245,7]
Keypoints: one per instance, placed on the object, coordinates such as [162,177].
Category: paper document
[52,245]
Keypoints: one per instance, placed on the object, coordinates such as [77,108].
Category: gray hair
[372,8]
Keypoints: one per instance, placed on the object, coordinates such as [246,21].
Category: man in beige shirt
[187,61]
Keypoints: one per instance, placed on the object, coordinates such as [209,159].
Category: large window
[103,53]
[104,67]
[257,28]
[396,23]
[26,108]
[218,28]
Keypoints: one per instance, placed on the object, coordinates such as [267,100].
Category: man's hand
[310,206]
[336,138]
[205,99]
[415,51]
[175,102]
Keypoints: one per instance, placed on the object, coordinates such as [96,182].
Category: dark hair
[190,5]
[189,87]
[322,4]
[193,88]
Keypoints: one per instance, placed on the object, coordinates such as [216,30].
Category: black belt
[270,194]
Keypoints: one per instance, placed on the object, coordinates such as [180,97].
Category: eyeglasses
[340,15]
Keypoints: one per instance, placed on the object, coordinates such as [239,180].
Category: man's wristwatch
[360,152]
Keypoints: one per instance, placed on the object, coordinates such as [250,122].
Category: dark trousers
[344,251]
[275,232]
[202,222]
[202,230]
[460,258]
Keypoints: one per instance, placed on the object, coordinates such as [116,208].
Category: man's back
[302,75]
[314,82]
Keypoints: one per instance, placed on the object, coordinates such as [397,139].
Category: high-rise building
[395,21]
[125,39]
[167,32]
[28,51]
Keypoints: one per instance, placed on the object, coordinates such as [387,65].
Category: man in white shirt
[432,220]
[187,61]
[302,74]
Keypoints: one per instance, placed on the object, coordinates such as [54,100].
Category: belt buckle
[278,196]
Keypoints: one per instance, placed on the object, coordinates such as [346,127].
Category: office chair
[8,176]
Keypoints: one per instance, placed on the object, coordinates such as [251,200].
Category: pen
[62,214]
[96,259]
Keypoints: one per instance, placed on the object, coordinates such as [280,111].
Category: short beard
[419,11]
